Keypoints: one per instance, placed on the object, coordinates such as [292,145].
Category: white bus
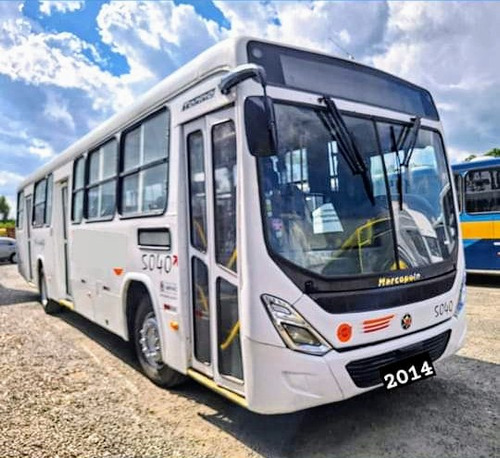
[237,225]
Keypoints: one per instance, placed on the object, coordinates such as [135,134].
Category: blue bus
[478,193]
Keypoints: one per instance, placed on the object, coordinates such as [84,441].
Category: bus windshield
[320,216]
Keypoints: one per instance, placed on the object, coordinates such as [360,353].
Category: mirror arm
[258,74]
[271,121]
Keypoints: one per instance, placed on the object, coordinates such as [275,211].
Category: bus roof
[219,58]
[476,164]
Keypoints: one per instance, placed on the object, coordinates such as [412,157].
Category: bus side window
[20,210]
[78,190]
[42,208]
[101,181]
[144,174]
[480,192]
[224,164]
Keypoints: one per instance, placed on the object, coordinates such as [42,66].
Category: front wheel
[13,258]
[148,347]
[51,307]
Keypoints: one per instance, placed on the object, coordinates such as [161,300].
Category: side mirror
[240,74]
[260,126]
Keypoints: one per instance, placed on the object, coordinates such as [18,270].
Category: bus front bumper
[287,381]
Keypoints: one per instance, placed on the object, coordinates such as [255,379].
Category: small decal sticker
[168,290]
[198,99]
[377,324]
[406,321]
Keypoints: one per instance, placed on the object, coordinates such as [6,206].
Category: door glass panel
[201,311]
[197,192]
[228,326]
[224,164]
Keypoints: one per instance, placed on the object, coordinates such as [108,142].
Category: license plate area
[408,370]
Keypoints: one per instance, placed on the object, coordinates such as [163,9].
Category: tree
[4,208]
[495,152]
[469,158]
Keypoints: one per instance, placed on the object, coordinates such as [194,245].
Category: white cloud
[155,37]
[358,26]
[41,149]
[8,178]
[58,59]
[56,109]
[450,48]
[48,7]
[457,155]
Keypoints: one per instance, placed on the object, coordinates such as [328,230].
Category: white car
[8,249]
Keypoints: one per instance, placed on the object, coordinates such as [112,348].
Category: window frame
[49,178]
[121,175]
[75,190]
[98,183]
[464,185]
[20,210]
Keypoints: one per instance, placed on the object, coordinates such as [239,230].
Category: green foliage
[495,152]
[4,208]
[8,223]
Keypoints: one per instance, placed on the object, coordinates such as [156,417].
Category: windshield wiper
[352,156]
[395,148]
[410,140]
[406,142]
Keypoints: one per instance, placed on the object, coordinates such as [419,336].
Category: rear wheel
[13,258]
[148,347]
[51,307]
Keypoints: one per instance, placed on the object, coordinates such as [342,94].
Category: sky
[66,66]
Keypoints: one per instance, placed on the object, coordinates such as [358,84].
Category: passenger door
[60,221]
[211,166]
[29,216]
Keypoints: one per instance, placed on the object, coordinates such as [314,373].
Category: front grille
[366,372]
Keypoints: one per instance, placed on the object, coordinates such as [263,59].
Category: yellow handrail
[232,335]
[201,233]
[232,259]
[203,297]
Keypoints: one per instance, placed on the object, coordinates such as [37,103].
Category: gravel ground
[71,389]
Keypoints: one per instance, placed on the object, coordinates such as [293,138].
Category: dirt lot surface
[71,389]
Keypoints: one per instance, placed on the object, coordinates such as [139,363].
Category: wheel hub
[150,341]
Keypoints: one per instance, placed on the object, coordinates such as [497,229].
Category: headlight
[461,298]
[295,331]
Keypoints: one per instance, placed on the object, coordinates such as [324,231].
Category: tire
[49,306]
[146,339]
[13,258]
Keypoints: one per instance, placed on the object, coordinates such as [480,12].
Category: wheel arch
[133,287]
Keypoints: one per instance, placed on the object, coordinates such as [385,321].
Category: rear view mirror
[260,126]
[240,74]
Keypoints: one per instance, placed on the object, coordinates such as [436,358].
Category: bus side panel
[481,236]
